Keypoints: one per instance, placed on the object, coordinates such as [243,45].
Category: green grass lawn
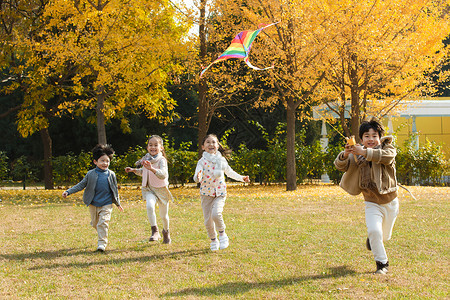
[283,245]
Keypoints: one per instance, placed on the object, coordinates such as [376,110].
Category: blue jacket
[90,181]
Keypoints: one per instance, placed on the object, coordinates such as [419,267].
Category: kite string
[310,106]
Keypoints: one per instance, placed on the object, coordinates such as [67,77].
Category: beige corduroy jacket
[382,172]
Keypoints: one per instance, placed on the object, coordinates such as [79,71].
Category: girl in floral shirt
[213,189]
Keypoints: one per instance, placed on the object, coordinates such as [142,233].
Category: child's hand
[347,150]
[200,175]
[246,178]
[65,194]
[120,208]
[359,150]
[128,169]
[148,165]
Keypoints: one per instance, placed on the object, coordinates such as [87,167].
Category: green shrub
[3,166]
[128,159]
[25,170]
[330,155]
[70,168]
[181,163]
[310,162]
[425,166]
[251,162]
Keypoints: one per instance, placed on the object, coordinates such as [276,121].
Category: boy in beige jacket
[372,173]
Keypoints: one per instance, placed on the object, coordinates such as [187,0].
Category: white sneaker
[215,245]
[101,248]
[224,241]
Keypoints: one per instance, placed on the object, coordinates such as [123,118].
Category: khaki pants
[100,217]
[212,213]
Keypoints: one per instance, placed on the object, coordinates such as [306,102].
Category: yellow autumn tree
[369,52]
[108,58]
[112,57]
[21,18]
[216,90]
[294,45]
[382,52]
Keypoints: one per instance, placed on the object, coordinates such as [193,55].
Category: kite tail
[256,68]
[264,26]
[407,190]
[204,70]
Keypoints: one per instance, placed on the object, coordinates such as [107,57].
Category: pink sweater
[158,179]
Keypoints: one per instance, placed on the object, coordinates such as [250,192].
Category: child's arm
[342,162]
[133,170]
[385,155]
[198,174]
[76,188]
[163,171]
[347,151]
[234,175]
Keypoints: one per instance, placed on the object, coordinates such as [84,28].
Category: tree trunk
[291,172]
[101,129]
[355,113]
[202,114]
[355,116]
[48,168]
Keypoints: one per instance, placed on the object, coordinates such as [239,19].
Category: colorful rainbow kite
[240,48]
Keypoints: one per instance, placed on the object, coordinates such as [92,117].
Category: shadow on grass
[45,254]
[235,288]
[108,259]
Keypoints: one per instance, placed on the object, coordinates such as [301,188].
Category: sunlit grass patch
[307,243]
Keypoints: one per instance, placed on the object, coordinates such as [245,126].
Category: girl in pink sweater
[155,182]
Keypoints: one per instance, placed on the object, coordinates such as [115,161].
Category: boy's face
[102,162]
[370,139]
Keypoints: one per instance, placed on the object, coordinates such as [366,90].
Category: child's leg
[389,219]
[374,220]
[104,216]
[216,213]
[94,215]
[164,213]
[207,202]
[150,200]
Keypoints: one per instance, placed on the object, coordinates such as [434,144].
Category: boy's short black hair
[101,150]
[374,124]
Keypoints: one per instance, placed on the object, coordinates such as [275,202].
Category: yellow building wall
[435,129]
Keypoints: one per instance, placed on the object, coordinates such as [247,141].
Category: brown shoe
[166,237]
[155,234]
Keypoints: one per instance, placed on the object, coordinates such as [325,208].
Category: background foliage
[425,166]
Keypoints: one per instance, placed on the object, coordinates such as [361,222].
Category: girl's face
[153,146]
[102,162]
[211,145]
[370,139]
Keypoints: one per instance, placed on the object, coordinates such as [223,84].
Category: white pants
[100,217]
[151,199]
[380,219]
[212,213]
